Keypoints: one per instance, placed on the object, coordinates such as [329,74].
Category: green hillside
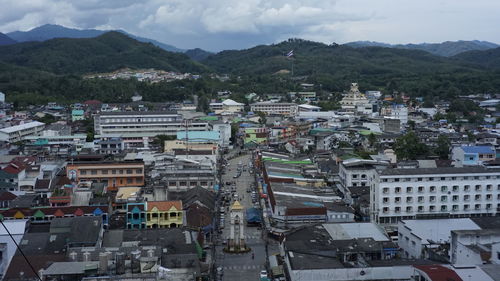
[488,58]
[108,52]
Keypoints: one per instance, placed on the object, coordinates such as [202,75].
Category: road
[241,267]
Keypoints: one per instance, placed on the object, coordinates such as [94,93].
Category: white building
[475,247]
[415,236]
[356,102]
[396,111]
[7,246]
[2,97]
[146,124]
[224,130]
[358,172]
[409,193]
[19,132]
[279,108]
[228,106]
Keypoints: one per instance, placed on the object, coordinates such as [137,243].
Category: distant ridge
[6,40]
[444,49]
[52,31]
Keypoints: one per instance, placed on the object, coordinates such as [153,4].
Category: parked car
[263,274]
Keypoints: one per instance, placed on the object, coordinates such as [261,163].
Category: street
[241,266]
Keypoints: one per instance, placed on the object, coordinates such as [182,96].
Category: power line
[21,251]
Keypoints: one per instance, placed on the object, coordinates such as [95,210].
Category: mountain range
[6,40]
[445,49]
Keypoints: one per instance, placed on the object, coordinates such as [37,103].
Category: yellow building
[172,145]
[164,214]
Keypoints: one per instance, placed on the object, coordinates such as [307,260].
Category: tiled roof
[7,196]
[478,149]
[52,211]
[164,205]
[439,273]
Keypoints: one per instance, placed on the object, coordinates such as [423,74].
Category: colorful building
[255,136]
[114,173]
[164,214]
[136,215]
[77,115]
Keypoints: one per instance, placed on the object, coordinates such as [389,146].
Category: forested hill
[488,58]
[334,66]
[108,52]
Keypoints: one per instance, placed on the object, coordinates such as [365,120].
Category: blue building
[136,215]
[473,155]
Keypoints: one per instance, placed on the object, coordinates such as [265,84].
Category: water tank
[135,262]
[103,262]
[120,263]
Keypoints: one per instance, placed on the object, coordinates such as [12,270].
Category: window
[476,177]
[466,207]
[385,199]
[419,179]
[455,207]
[354,176]
[421,189]
[83,172]
[478,187]
[489,187]
[385,190]
[432,189]
[113,172]
[420,199]
[409,199]
[385,209]
[104,172]
[138,171]
[444,188]
[129,181]
[397,209]
[409,209]
[444,198]
[397,199]
[420,208]
[432,198]
[129,171]
[396,180]
[443,178]
[363,176]
[466,178]
[455,198]
[489,197]
[120,171]
[477,197]
[93,172]
[431,179]
[409,189]
[384,180]
[444,208]
[477,206]
[466,197]
[455,188]
[488,206]
[397,189]
[432,208]
[466,187]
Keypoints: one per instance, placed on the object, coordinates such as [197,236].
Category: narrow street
[241,266]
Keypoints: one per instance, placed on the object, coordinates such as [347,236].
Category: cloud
[223,24]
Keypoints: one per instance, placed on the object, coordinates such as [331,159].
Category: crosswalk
[244,267]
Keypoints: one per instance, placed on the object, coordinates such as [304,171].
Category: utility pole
[187,124]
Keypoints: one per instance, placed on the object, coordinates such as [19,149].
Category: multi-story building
[148,124]
[473,155]
[114,173]
[413,193]
[227,106]
[19,132]
[271,108]
[164,214]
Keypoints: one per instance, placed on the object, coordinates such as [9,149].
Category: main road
[241,267]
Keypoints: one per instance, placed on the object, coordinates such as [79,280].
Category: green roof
[209,118]
[368,132]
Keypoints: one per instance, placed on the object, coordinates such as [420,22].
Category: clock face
[72,174]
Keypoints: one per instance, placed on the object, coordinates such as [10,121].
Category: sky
[238,24]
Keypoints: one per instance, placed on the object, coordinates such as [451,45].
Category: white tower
[236,243]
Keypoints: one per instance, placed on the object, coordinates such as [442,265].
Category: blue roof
[478,149]
[199,136]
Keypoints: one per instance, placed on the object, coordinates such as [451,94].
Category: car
[263,274]
[235,176]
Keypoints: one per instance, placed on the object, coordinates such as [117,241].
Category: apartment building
[149,124]
[18,133]
[416,193]
[114,173]
[287,109]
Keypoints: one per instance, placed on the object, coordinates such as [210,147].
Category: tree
[372,139]
[443,147]
[409,147]
[412,124]
[262,117]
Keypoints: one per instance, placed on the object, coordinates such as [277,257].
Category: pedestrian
[253,256]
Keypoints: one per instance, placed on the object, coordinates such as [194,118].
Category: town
[383,187]
[148,75]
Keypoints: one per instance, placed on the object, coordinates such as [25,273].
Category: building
[136,215]
[472,155]
[109,145]
[164,214]
[309,108]
[77,115]
[307,96]
[275,108]
[475,246]
[418,238]
[409,193]
[356,102]
[7,246]
[19,132]
[147,124]
[227,106]
[224,130]
[113,173]
[254,136]
[396,111]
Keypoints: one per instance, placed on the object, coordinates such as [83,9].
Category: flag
[289,54]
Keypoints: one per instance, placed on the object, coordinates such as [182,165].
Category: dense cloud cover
[235,24]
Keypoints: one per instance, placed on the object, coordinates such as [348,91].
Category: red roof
[78,212]
[59,213]
[92,102]
[51,211]
[7,196]
[439,273]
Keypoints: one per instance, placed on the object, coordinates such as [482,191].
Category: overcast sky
[235,24]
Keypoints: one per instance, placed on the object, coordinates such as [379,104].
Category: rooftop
[438,171]
[21,127]
[437,230]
